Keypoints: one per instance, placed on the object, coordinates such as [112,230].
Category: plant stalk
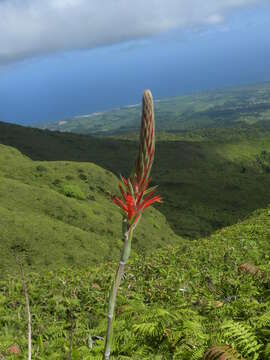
[127,235]
[71,337]
[28,313]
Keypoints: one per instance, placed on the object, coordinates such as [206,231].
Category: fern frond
[263,320]
[153,323]
[266,352]
[249,269]
[142,352]
[242,338]
[148,330]
[262,326]
[224,352]
[127,311]
[198,354]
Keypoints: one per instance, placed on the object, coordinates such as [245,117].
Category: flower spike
[136,196]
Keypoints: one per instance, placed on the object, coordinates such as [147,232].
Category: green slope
[173,304]
[208,181]
[60,213]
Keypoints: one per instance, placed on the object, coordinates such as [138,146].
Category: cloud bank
[35,27]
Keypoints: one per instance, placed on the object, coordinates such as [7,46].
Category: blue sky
[60,62]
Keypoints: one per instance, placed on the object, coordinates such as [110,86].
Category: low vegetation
[177,303]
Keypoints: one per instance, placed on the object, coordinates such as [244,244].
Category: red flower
[136,197]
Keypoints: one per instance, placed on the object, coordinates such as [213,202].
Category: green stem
[28,312]
[127,234]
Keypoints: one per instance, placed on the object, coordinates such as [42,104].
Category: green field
[186,288]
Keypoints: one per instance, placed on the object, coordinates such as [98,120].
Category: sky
[61,58]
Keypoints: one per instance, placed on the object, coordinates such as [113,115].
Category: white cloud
[34,27]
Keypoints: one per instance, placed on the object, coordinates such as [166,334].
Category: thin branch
[27,310]
[71,337]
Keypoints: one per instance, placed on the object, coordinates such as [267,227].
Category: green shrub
[41,168]
[73,191]
[83,177]
[69,177]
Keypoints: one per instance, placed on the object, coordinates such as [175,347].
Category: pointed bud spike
[147,142]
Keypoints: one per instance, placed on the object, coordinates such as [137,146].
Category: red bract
[136,197]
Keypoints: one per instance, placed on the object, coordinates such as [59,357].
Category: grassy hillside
[174,304]
[208,178]
[220,108]
[60,213]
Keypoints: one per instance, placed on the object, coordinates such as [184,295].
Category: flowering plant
[136,197]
